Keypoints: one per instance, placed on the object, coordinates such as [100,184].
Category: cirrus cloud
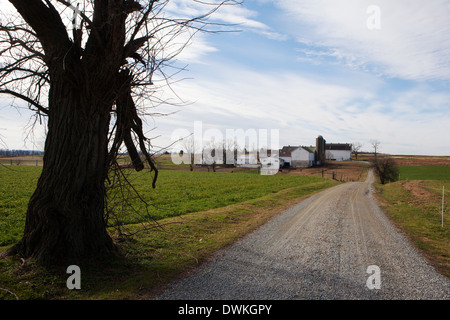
[412,41]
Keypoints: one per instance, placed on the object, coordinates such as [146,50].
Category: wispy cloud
[228,17]
[412,42]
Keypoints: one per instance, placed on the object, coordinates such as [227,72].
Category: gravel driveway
[328,246]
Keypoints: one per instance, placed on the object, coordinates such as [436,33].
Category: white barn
[338,151]
[297,156]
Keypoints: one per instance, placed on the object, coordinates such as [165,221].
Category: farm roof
[286,151]
[338,146]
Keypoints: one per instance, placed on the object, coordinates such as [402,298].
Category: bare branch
[25,98]
[46,23]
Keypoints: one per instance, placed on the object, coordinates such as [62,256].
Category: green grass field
[17,184]
[177,193]
[424,173]
[415,204]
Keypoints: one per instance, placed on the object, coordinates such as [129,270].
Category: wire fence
[21,162]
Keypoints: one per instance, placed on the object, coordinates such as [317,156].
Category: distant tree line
[19,153]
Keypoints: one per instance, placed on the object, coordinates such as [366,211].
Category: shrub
[385,169]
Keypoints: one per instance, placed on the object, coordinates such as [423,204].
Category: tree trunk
[65,217]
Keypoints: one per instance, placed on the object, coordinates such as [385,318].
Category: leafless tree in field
[356,148]
[376,146]
[189,147]
[88,70]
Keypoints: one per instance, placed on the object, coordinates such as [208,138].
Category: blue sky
[309,68]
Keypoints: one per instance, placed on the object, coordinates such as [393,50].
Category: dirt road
[336,244]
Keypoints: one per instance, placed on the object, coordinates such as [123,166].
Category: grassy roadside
[415,207]
[151,259]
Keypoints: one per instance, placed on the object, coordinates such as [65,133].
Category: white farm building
[338,151]
[298,157]
[303,157]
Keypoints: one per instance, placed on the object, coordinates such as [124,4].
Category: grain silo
[320,150]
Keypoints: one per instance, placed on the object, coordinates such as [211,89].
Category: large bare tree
[356,148]
[87,68]
[376,146]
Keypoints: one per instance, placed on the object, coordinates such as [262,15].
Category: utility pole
[443,192]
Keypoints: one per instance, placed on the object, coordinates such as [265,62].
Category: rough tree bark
[65,213]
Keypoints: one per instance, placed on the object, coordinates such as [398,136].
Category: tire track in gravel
[318,249]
